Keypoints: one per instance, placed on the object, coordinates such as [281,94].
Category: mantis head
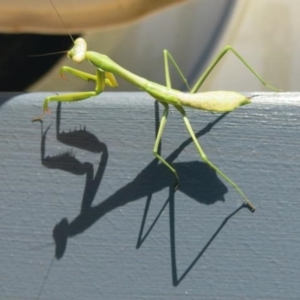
[77,53]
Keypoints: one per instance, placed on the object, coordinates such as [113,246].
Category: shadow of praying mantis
[197,180]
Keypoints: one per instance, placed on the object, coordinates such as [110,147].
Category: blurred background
[134,33]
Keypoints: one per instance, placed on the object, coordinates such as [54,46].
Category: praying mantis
[213,101]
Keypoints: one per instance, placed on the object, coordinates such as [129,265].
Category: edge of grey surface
[199,253]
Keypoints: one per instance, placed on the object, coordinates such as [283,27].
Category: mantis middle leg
[162,124]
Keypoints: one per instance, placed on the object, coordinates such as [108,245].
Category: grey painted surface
[201,247]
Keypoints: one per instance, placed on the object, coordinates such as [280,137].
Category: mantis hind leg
[206,160]
[162,124]
[198,84]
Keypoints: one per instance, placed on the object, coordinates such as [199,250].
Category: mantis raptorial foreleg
[109,78]
[101,78]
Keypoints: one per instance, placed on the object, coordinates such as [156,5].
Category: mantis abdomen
[217,101]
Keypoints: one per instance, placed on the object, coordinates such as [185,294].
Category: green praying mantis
[213,101]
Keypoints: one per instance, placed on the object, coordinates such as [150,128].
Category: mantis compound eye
[77,53]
